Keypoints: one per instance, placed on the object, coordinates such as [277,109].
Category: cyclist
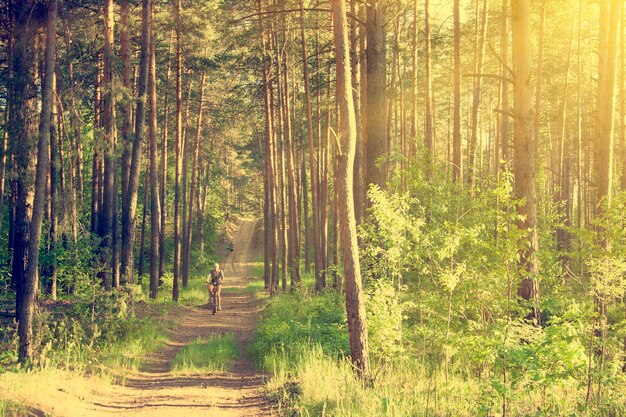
[215,281]
[229,249]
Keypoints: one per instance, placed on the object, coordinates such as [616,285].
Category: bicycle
[213,299]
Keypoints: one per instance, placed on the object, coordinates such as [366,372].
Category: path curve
[155,391]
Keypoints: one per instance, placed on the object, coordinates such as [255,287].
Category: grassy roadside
[302,344]
[88,344]
[211,354]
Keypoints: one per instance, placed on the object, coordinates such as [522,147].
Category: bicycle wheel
[214,299]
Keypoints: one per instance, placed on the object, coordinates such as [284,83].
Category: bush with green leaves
[292,320]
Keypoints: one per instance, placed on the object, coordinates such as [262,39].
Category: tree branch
[312,9]
[496,76]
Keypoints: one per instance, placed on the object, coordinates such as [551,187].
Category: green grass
[10,409]
[207,355]
[147,336]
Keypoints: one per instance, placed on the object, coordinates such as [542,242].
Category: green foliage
[100,334]
[214,353]
[294,320]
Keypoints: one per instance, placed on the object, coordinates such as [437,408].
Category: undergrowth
[214,353]
[302,343]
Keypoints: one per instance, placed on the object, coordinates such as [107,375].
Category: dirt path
[157,392]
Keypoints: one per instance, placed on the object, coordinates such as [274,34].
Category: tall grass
[207,355]
[300,343]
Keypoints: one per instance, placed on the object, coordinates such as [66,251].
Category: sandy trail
[155,391]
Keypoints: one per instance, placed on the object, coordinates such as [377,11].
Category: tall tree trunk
[56,168]
[479,54]
[125,108]
[76,157]
[375,172]
[25,331]
[192,191]
[429,130]
[6,126]
[155,215]
[324,184]
[129,208]
[105,225]
[355,299]
[504,123]
[355,33]
[605,108]
[457,155]
[566,150]
[96,196]
[23,124]
[179,150]
[164,139]
[305,215]
[622,107]
[142,243]
[311,148]
[539,74]
[525,163]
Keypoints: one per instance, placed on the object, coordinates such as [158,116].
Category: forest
[418,206]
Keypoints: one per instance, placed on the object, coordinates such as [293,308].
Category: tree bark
[457,155]
[375,172]
[164,139]
[502,148]
[429,129]
[525,163]
[192,191]
[605,109]
[179,160]
[25,331]
[125,108]
[355,33]
[355,302]
[129,209]
[105,224]
[479,54]
[311,149]
[155,215]
[142,244]
[23,133]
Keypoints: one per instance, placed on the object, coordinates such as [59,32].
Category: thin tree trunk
[479,54]
[96,188]
[292,193]
[504,127]
[305,216]
[129,211]
[355,302]
[185,186]
[155,215]
[142,244]
[76,125]
[6,125]
[457,158]
[125,108]
[605,108]
[179,160]
[56,165]
[539,73]
[27,306]
[164,158]
[428,93]
[312,160]
[192,191]
[355,65]
[105,225]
